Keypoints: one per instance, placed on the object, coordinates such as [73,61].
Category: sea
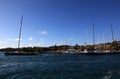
[60,66]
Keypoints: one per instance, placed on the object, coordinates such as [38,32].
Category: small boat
[19,52]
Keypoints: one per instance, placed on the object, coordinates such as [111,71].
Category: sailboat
[100,52]
[19,52]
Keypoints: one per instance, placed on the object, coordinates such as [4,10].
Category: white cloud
[11,42]
[44,32]
[2,41]
[41,44]
[30,45]
[31,38]
[13,39]
[62,43]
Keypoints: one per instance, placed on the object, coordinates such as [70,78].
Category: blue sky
[49,22]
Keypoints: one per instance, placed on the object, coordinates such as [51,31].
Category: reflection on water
[60,66]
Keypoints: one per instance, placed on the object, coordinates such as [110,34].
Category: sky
[50,22]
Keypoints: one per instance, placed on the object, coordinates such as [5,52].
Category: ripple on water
[21,75]
[108,75]
[60,66]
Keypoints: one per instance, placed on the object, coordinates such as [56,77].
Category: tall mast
[93,35]
[112,33]
[20,32]
[104,41]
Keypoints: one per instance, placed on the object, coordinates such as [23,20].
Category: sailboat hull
[9,53]
[102,53]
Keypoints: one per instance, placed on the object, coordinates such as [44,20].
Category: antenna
[20,32]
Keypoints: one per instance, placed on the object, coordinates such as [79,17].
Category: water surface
[60,66]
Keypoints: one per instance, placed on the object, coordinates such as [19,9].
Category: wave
[108,75]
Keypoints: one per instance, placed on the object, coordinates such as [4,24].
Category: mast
[86,36]
[104,41]
[85,39]
[93,38]
[20,32]
[112,33]
[93,35]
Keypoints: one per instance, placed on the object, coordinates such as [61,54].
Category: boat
[19,52]
[99,51]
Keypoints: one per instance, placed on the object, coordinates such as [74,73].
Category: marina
[59,39]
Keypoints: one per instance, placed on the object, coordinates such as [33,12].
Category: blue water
[60,66]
